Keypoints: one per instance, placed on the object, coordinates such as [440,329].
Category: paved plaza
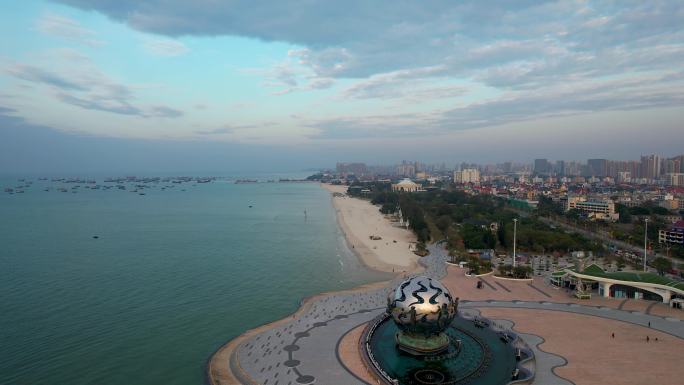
[315,346]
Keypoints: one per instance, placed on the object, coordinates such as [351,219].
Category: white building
[624,177]
[467,175]
[675,179]
[597,209]
[406,185]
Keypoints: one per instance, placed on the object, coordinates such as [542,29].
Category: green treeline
[473,221]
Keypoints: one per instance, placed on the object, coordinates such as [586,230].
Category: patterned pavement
[303,350]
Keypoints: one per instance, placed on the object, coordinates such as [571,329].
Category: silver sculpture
[422,306]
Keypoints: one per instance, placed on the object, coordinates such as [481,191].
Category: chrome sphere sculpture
[422,308]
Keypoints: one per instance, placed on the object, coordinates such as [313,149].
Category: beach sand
[359,220]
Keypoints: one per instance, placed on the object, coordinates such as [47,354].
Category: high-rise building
[650,167]
[597,167]
[673,165]
[573,169]
[624,177]
[406,169]
[559,169]
[542,166]
[468,175]
[675,179]
[357,169]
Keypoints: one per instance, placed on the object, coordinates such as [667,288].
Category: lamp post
[645,240]
[515,228]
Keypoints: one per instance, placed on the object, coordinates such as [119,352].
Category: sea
[107,286]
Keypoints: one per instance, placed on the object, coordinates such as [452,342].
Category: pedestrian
[649,323]
[612,335]
[647,339]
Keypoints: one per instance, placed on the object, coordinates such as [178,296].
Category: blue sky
[315,82]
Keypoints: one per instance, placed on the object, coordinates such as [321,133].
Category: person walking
[612,335]
[647,339]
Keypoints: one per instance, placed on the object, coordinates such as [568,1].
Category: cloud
[217,131]
[321,83]
[531,58]
[358,39]
[85,86]
[164,112]
[231,129]
[165,47]
[415,84]
[288,76]
[69,29]
[624,94]
[38,75]
[106,104]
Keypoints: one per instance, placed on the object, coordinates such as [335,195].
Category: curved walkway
[300,351]
[545,362]
[672,326]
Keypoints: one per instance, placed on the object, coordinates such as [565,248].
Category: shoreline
[226,355]
[224,362]
[358,220]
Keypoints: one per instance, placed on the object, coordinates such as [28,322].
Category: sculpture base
[419,345]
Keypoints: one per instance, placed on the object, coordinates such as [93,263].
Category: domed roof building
[406,185]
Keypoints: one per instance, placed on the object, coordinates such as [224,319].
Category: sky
[176,85]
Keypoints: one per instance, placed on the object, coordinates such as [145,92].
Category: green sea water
[172,276]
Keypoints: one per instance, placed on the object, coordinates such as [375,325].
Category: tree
[443,223]
[625,215]
[474,265]
[486,266]
[573,214]
[505,270]
[639,210]
[388,208]
[501,235]
[489,239]
[660,210]
[662,265]
[522,271]
[421,249]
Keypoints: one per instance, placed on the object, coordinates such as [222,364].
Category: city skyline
[142,84]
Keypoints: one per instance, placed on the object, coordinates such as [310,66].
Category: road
[602,236]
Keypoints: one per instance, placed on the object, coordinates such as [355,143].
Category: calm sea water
[173,275]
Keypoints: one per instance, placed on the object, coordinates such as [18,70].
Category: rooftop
[596,271]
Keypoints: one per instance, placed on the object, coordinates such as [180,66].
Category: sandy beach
[359,220]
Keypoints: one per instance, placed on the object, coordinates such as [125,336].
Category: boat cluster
[130,183]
